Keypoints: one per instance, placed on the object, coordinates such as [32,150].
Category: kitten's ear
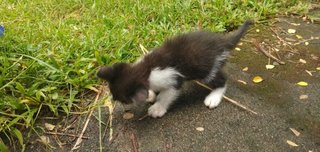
[140,95]
[109,73]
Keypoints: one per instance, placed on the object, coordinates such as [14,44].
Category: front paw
[157,110]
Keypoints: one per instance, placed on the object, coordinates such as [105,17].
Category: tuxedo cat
[196,55]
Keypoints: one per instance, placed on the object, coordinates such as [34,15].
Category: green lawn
[51,49]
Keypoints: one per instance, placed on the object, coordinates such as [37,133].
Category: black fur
[193,55]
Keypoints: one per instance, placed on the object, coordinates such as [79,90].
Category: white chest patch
[160,79]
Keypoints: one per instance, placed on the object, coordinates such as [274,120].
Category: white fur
[151,96]
[214,98]
[160,79]
[164,100]
[216,67]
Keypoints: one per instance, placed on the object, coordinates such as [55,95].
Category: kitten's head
[125,86]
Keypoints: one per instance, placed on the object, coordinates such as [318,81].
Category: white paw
[214,98]
[157,110]
[151,96]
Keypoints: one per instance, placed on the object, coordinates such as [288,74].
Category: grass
[51,49]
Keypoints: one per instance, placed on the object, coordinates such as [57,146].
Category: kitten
[196,55]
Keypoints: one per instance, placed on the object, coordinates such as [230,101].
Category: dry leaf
[299,36]
[240,44]
[297,133]
[306,43]
[49,127]
[237,49]
[302,61]
[303,97]
[291,31]
[292,143]
[241,81]
[245,69]
[302,83]
[94,89]
[257,30]
[257,79]
[44,140]
[309,72]
[269,66]
[318,68]
[128,115]
[200,129]
[277,50]
[295,24]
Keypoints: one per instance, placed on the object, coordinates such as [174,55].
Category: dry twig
[228,99]
[79,140]
[266,53]
[134,142]
[65,134]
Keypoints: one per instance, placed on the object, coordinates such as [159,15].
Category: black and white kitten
[193,56]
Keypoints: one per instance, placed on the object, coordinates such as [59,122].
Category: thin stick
[135,145]
[266,53]
[79,140]
[306,40]
[228,99]
[65,134]
[143,117]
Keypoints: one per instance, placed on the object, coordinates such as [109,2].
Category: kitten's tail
[234,37]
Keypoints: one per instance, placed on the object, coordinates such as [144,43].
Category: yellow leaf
[245,69]
[237,49]
[200,128]
[299,36]
[291,31]
[241,81]
[303,97]
[49,127]
[257,30]
[302,61]
[292,143]
[297,133]
[257,79]
[269,66]
[128,115]
[318,68]
[302,83]
[306,43]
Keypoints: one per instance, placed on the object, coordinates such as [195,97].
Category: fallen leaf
[309,72]
[292,143]
[257,30]
[128,115]
[299,36]
[306,43]
[297,133]
[302,61]
[44,140]
[291,31]
[245,69]
[304,18]
[257,79]
[49,127]
[318,68]
[303,97]
[302,83]
[269,66]
[240,44]
[241,81]
[200,129]
[277,50]
[295,24]
[237,49]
